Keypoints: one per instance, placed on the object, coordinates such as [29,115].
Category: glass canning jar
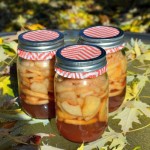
[112,40]
[35,68]
[81,92]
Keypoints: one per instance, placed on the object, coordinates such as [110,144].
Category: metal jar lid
[40,40]
[80,58]
[103,36]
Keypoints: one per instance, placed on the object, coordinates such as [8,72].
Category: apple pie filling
[81,107]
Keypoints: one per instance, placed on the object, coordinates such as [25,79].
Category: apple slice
[69,96]
[39,87]
[103,113]
[91,106]
[80,101]
[64,115]
[80,122]
[73,110]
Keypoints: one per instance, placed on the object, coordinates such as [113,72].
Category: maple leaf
[143,107]
[81,147]
[21,20]
[16,114]
[145,56]
[4,85]
[117,140]
[127,117]
[3,56]
[34,27]
[147,72]
[135,86]
[130,113]
[136,48]
[142,81]
[11,46]
[1,40]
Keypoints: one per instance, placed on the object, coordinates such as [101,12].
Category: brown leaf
[104,19]
[8,125]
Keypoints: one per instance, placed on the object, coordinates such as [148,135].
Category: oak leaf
[130,114]
[117,141]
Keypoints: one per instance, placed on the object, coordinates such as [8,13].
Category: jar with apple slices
[81,92]
[35,67]
[112,40]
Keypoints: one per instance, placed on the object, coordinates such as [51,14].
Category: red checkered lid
[39,44]
[108,37]
[41,35]
[80,52]
[80,61]
[101,32]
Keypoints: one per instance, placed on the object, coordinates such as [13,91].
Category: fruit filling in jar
[81,92]
[112,40]
[35,68]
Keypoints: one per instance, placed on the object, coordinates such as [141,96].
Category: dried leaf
[9,125]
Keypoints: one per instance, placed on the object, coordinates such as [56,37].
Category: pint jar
[35,68]
[81,92]
[112,40]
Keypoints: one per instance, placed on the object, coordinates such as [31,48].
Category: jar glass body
[81,107]
[116,69]
[36,87]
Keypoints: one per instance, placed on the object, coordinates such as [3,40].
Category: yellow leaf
[1,41]
[21,20]
[4,82]
[81,147]
[145,56]
[30,12]
[34,27]
[137,48]
[3,56]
